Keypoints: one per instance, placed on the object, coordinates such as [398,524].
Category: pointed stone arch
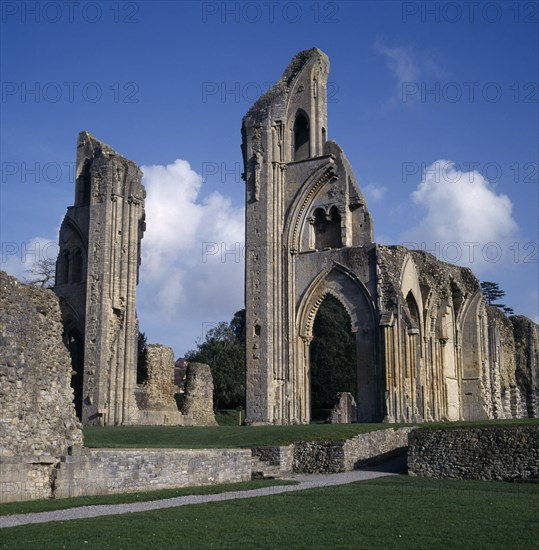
[473,335]
[301,140]
[297,221]
[409,283]
[333,357]
[350,292]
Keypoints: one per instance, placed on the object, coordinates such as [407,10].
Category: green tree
[333,355]
[493,292]
[223,350]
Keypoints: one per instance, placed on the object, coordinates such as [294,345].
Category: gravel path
[305,482]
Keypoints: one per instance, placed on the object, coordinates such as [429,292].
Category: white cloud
[374,192]
[409,69]
[192,257]
[18,257]
[400,61]
[463,219]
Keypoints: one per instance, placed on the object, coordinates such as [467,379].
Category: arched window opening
[301,138]
[413,309]
[84,184]
[333,358]
[327,229]
[64,268]
[77,266]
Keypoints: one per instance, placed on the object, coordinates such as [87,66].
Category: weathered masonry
[428,347]
[96,278]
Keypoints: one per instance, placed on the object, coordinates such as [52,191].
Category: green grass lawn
[229,417]
[218,436]
[226,436]
[391,512]
[48,505]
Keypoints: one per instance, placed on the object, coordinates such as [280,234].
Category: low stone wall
[502,453]
[269,462]
[375,446]
[104,471]
[344,456]
[109,471]
[314,457]
[26,479]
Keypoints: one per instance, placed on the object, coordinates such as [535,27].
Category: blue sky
[435,104]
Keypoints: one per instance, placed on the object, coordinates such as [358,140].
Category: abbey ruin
[428,347]
[96,278]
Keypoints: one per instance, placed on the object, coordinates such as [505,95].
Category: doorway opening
[333,356]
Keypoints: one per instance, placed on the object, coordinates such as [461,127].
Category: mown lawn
[390,512]
[218,436]
[244,436]
[48,505]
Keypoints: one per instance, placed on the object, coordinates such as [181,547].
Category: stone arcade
[428,347]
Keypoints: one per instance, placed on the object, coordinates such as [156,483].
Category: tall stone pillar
[108,220]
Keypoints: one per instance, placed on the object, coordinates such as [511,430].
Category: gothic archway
[356,301]
[333,365]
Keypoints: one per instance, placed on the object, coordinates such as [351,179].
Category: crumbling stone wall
[160,381]
[526,337]
[37,416]
[501,385]
[513,365]
[345,409]
[155,399]
[198,400]
[503,453]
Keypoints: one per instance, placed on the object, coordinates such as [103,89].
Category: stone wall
[270,462]
[155,399]
[345,409]
[197,409]
[374,446]
[503,453]
[312,457]
[110,471]
[37,416]
[526,335]
[106,471]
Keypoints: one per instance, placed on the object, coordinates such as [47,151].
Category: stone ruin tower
[96,279]
[302,197]
[427,345]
